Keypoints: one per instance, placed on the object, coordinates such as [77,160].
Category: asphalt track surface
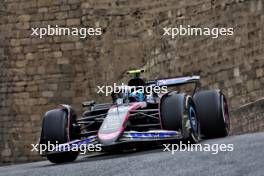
[247,158]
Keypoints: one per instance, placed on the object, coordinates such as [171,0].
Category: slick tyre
[178,113]
[57,128]
[212,110]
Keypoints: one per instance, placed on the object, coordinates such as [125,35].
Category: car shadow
[110,155]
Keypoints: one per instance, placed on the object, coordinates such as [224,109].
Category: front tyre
[178,113]
[213,113]
[57,128]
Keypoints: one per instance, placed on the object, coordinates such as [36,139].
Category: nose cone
[108,138]
[114,123]
[112,127]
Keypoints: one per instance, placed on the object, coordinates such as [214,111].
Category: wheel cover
[194,124]
[225,113]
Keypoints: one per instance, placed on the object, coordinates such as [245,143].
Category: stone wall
[37,74]
[248,118]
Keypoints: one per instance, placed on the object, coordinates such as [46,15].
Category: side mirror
[88,103]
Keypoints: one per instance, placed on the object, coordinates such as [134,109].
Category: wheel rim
[225,113]
[193,120]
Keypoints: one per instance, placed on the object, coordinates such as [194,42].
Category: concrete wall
[37,74]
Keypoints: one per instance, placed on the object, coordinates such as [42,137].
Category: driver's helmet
[136,96]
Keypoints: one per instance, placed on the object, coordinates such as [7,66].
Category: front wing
[127,137]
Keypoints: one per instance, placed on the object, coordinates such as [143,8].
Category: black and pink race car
[135,117]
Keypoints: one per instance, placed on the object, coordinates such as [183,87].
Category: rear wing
[170,82]
[175,81]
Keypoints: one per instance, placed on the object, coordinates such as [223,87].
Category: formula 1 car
[136,117]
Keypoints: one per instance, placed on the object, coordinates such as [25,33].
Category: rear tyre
[178,113]
[213,113]
[58,129]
